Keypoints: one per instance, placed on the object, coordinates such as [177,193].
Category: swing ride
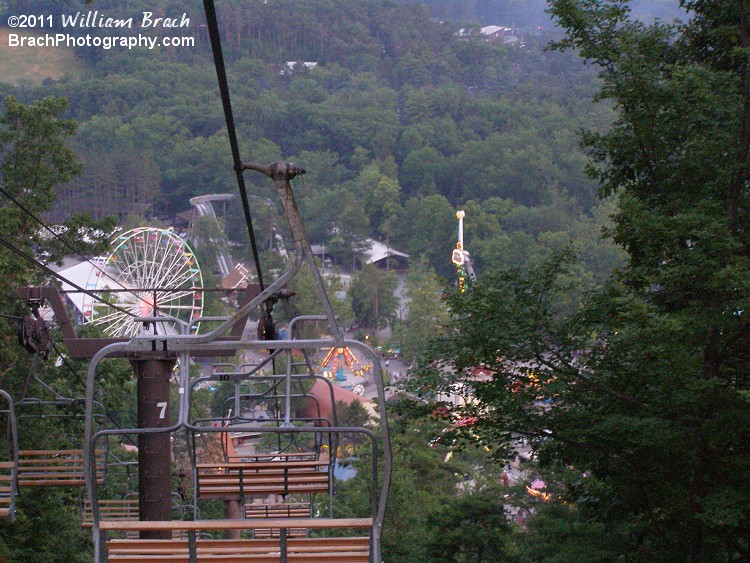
[460,257]
[332,366]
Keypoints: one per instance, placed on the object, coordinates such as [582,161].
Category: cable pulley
[33,334]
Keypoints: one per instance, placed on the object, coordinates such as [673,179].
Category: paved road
[390,367]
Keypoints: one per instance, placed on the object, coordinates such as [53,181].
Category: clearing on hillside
[33,64]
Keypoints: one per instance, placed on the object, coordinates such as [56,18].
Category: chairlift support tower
[153,366]
[154,356]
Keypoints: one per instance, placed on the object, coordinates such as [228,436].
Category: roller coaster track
[204,206]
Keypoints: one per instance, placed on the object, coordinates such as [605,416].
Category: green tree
[559,533]
[681,219]
[208,239]
[379,195]
[48,529]
[426,314]
[373,300]
[34,159]
[419,171]
[306,300]
[428,227]
[350,227]
[422,483]
[644,391]
[353,414]
[471,528]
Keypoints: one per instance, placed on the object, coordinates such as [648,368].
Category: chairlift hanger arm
[282,173]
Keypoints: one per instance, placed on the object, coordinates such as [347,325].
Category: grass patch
[32,65]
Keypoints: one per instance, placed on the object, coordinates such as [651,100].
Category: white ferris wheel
[150,272]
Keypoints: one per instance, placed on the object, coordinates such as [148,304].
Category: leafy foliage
[34,159]
[426,312]
[471,528]
[373,300]
[642,389]
[398,112]
[421,478]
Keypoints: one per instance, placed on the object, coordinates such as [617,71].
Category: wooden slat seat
[235,480]
[125,509]
[265,465]
[287,456]
[6,471]
[176,535]
[242,546]
[6,487]
[348,557]
[55,468]
[280,510]
[5,498]
[276,533]
[340,549]
[246,524]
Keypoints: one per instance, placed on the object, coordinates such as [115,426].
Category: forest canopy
[398,117]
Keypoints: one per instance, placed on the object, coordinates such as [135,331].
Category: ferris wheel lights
[147,258]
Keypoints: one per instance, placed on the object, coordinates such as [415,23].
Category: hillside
[399,120]
[25,65]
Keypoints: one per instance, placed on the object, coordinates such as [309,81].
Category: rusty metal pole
[154,451]
[234,512]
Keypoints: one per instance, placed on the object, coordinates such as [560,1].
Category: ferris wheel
[150,272]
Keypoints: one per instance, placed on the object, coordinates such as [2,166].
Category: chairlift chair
[9,463]
[61,464]
[287,476]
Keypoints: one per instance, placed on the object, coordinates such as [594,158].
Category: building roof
[376,251]
[290,66]
[490,33]
[491,29]
[185,217]
[379,251]
[87,275]
[237,278]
